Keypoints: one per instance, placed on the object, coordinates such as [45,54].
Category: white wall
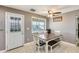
[67,26]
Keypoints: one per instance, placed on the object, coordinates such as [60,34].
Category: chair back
[36,38]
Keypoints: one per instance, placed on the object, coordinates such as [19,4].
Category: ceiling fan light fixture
[50,12]
[50,15]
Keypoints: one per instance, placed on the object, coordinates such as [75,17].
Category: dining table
[48,37]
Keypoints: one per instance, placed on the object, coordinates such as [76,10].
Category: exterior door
[14,28]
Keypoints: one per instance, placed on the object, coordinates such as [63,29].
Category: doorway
[14,30]
[77,30]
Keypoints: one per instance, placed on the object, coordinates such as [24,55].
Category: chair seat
[52,42]
[41,43]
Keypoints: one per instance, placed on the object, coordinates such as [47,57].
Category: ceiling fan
[53,14]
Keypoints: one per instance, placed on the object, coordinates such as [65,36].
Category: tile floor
[64,47]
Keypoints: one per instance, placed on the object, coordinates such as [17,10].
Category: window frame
[37,19]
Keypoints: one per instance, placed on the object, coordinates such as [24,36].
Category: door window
[15,24]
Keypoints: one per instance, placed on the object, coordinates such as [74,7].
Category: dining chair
[38,42]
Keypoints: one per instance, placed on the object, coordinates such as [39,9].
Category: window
[15,24]
[38,24]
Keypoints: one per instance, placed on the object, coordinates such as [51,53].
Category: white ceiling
[43,9]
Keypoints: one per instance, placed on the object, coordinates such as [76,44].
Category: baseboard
[3,51]
[69,43]
[28,43]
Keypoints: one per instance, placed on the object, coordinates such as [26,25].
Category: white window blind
[38,24]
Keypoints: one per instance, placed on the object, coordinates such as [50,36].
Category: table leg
[46,48]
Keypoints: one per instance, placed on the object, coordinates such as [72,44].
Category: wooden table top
[47,36]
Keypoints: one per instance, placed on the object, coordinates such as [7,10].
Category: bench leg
[51,49]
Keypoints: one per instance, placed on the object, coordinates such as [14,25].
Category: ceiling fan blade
[57,13]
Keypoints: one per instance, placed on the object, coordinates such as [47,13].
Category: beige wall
[67,26]
[28,33]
